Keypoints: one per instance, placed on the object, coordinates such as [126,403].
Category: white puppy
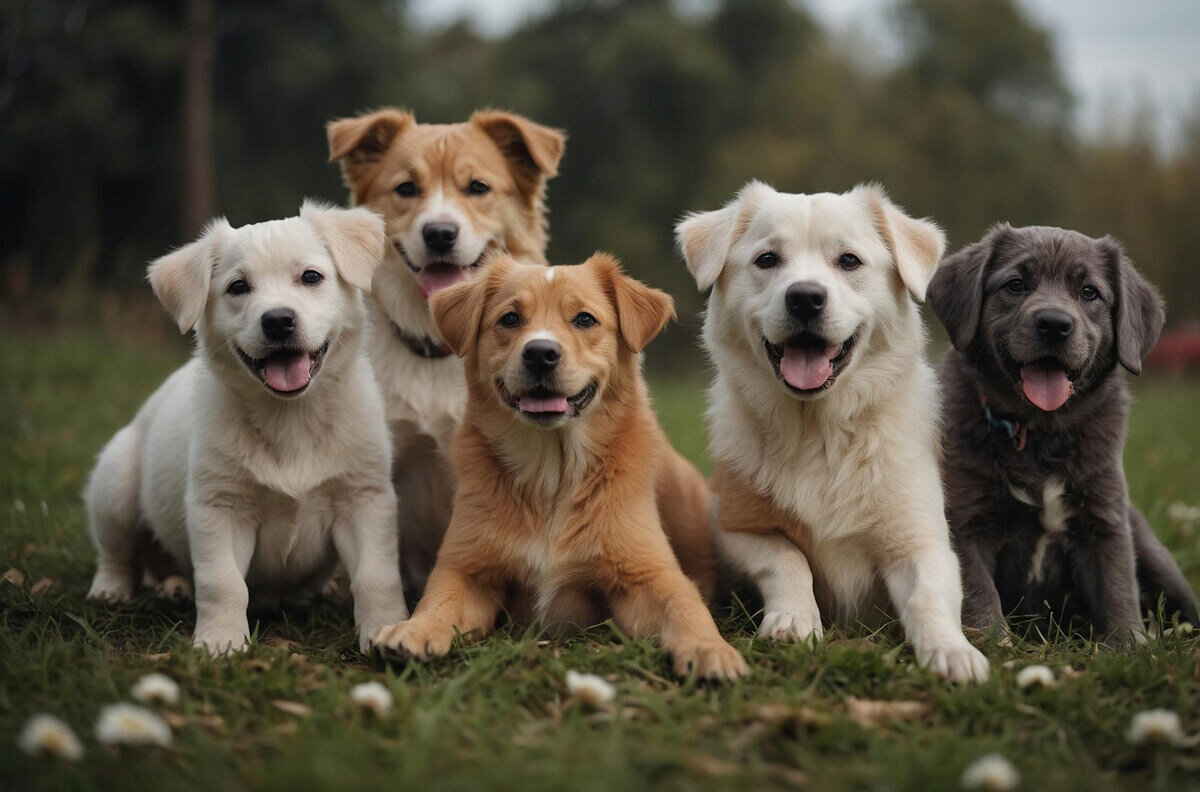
[823,414]
[266,458]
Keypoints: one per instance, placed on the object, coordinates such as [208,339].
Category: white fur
[855,466]
[1054,517]
[247,491]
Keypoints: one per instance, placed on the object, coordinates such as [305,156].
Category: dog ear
[956,291]
[642,311]
[704,238]
[916,245]
[458,310]
[1139,311]
[359,143]
[354,238]
[532,150]
[180,278]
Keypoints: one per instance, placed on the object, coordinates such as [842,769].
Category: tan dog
[450,194]
[567,485]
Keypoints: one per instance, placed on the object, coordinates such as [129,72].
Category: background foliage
[666,112]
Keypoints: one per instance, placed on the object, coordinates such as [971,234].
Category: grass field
[496,715]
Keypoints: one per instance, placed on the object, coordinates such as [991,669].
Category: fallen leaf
[286,728]
[292,707]
[157,657]
[788,775]
[868,713]
[15,577]
[41,586]
[259,664]
[710,765]
[283,643]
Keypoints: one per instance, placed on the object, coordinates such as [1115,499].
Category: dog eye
[766,261]
[406,189]
[1089,293]
[311,278]
[239,286]
[1015,285]
[477,187]
[849,261]
[583,319]
[510,319]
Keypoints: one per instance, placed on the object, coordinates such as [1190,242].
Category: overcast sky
[1115,54]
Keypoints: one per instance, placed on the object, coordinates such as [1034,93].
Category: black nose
[805,299]
[439,237]
[1053,325]
[278,324]
[541,356]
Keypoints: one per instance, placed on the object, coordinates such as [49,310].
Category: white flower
[130,724]
[1035,676]
[993,773]
[589,689]
[1180,512]
[46,734]
[156,689]
[373,696]
[1156,726]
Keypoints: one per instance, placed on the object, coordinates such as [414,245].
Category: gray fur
[1107,566]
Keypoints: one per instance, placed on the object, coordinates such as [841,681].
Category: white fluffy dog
[823,414]
[266,458]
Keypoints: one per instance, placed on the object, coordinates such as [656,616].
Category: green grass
[496,715]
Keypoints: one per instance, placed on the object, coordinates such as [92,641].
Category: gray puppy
[1035,412]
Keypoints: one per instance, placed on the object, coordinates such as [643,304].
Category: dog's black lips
[775,356]
[256,365]
[412,266]
[578,403]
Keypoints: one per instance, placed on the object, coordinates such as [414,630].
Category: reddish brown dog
[569,493]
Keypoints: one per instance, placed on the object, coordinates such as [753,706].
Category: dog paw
[174,588]
[715,660]
[791,626]
[960,663]
[111,588]
[222,638]
[410,639]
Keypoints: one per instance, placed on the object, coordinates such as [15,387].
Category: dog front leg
[981,608]
[783,576]
[222,540]
[454,602]
[924,584]
[367,544]
[1106,573]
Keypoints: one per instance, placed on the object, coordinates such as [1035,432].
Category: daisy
[130,724]
[373,696]
[46,734]
[590,690]
[1160,726]
[992,773]
[156,689]
[1035,676]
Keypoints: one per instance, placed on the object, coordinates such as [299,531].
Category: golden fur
[582,515]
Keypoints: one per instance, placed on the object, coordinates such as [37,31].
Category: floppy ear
[916,245]
[956,291]
[458,310]
[180,278]
[359,143]
[532,150]
[642,312]
[1139,310]
[353,237]
[704,238]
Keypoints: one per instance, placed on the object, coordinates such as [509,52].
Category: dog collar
[424,347]
[1013,429]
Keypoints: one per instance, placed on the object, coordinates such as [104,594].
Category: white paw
[175,588]
[800,625]
[368,626]
[222,638]
[111,587]
[959,663]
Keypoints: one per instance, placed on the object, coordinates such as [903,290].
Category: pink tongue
[437,277]
[1045,386]
[554,404]
[287,373]
[807,367]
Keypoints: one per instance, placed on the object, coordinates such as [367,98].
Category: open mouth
[1046,382]
[286,372]
[437,275]
[808,364]
[543,406]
